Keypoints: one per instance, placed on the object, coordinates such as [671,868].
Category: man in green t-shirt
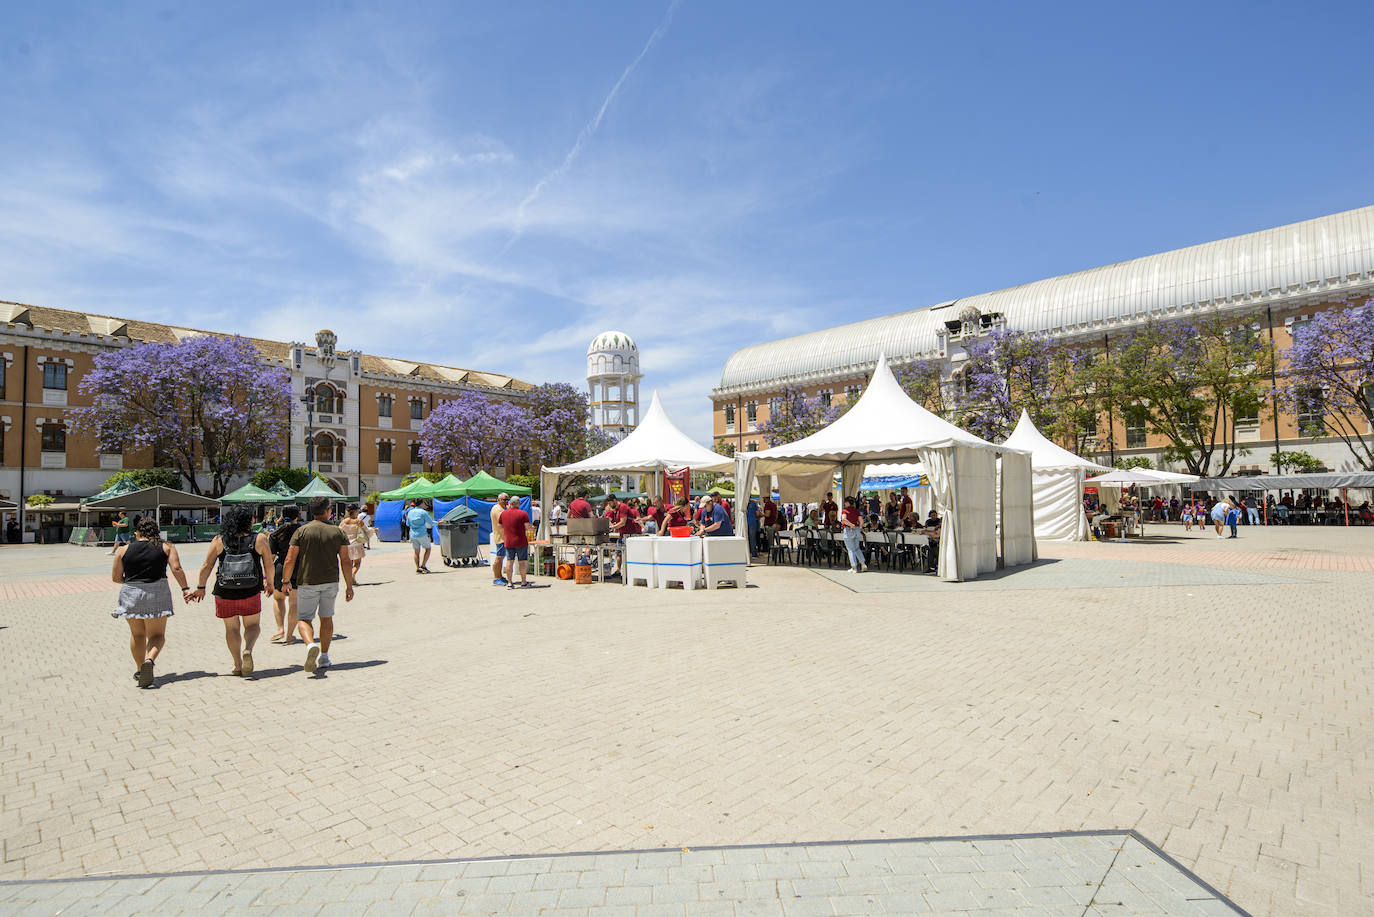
[121,530]
[318,554]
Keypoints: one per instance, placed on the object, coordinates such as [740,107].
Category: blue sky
[491,184]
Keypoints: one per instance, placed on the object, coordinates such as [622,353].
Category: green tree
[39,500]
[1133,461]
[295,478]
[1188,381]
[1296,460]
[145,477]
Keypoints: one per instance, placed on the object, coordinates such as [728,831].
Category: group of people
[300,565]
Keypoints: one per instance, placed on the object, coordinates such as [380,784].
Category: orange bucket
[680,531]
[565,571]
[584,574]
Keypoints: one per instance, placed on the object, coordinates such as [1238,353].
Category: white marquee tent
[1056,483]
[655,446]
[887,426]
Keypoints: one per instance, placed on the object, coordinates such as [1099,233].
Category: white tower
[613,382]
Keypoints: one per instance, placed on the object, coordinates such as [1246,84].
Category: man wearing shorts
[318,554]
[421,523]
[515,540]
[498,540]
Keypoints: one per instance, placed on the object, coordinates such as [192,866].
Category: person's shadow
[318,673]
[175,677]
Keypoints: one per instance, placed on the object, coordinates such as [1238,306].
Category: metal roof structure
[1325,258]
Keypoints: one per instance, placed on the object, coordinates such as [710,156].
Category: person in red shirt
[852,522]
[654,514]
[517,543]
[580,508]
[830,511]
[679,515]
[907,505]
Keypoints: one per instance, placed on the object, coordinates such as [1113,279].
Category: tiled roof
[66,321]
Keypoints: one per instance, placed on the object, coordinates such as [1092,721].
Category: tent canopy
[447,487]
[122,486]
[317,488]
[416,489]
[282,489]
[153,498]
[250,493]
[1045,455]
[654,445]
[1320,480]
[1141,476]
[486,487]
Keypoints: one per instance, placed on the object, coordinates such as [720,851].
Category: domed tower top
[613,353]
[613,382]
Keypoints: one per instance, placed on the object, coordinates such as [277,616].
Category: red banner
[676,485]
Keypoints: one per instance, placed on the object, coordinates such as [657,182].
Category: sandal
[279,638]
[247,663]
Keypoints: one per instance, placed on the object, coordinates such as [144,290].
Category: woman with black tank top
[284,604]
[145,599]
[244,575]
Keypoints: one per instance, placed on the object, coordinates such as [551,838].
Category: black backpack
[239,570]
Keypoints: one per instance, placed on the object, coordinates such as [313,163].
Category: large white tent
[887,426]
[1056,483]
[655,446]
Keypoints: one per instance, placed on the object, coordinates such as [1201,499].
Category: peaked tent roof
[317,488]
[486,487]
[250,493]
[420,487]
[1145,476]
[1045,455]
[884,422]
[282,489]
[153,497]
[656,443]
[447,487]
[122,486]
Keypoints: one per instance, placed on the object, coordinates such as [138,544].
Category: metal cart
[458,537]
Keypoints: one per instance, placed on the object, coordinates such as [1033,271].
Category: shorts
[356,551]
[421,543]
[276,578]
[521,553]
[499,550]
[312,599]
[238,608]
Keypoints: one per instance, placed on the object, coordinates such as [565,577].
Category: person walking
[283,604]
[1188,516]
[1219,514]
[751,524]
[356,532]
[145,599]
[421,523]
[244,574]
[121,530]
[851,523]
[317,557]
[365,520]
[1252,510]
[498,540]
[1232,515]
[515,540]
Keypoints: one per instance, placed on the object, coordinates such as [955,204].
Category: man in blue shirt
[715,521]
[751,519]
[420,522]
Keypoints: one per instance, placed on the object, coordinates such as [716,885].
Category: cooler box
[724,560]
[678,560]
[641,560]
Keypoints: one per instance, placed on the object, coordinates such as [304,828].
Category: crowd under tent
[653,447]
[885,425]
[1323,480]
[1057,477]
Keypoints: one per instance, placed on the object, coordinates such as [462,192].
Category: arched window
[328,448]
[328,400]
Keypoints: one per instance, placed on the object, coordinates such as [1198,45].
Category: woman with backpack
[145,599]
[244,575]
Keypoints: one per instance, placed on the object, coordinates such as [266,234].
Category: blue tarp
[891,482]
[389,516]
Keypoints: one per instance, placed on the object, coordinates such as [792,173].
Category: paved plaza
[1208,697]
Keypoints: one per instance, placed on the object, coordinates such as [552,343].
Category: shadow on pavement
[160,680]
[345,666]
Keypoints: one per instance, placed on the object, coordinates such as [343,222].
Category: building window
[384,453]
[1247,415]
[826,395]
[751,446]
[852,392]
[55,434]
[3,364]
[328,448]
[327,400]
[1135,427]
[1089,427]
[751,414]
[1311,412]
[417,410]
[729,418]
[55,375]
[384,407]
[415,453]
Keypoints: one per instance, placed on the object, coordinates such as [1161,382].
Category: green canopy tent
[485,487]
[420,488]
[318,488]
[282,489]
[250,493]
[447,488]
[119,488]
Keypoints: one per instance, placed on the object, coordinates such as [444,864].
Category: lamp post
[308,399]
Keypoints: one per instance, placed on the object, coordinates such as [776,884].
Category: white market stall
[1057,477]
[655,446]
[887,426]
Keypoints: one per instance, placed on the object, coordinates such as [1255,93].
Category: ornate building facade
[1270,280]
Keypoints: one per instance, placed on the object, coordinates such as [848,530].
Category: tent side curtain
[1058,498]
[1017,512]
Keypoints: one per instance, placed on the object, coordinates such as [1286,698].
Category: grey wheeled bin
[458,537]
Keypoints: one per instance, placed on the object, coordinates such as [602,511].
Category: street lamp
[309,400]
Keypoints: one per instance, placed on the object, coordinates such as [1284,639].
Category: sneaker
[499,581]
[322,663]
[852,570]
[247,663]
[510,585]
[312,657]
[145,674]
[863,568]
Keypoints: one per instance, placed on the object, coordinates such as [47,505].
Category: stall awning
[1325,479]
[153,498]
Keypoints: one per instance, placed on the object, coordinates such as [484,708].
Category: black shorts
[276,577]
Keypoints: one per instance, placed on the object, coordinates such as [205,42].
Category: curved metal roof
[1330,255]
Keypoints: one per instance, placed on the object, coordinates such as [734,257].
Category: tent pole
[1345,502]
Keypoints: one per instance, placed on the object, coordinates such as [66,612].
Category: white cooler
[678,560]
[724,560]
[641,560]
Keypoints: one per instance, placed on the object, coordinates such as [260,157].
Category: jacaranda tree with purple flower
[1330,378]
[557,426]
[792,415]
[204,399]
[474,433]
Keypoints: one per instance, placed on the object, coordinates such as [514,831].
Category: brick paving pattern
[1229,722]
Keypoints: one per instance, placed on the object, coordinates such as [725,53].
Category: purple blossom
[1330,374]
[473,433]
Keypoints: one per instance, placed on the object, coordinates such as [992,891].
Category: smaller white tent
[885,425]
[655,446]
[1056,483]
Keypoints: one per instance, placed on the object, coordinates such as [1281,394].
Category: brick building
[365,423]
[1271,280]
